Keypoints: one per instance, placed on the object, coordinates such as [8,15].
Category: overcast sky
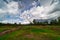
[24,11]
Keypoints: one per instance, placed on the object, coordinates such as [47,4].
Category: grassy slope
[34,32]
[4,28]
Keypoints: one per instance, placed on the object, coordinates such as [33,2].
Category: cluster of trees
[51,22]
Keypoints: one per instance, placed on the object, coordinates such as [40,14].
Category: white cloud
[12,21]
[2,11]
[45,11]
[11,8]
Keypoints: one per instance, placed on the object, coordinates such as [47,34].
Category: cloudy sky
[24,11]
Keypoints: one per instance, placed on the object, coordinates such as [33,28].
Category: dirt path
[9,31]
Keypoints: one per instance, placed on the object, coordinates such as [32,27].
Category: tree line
[52,22]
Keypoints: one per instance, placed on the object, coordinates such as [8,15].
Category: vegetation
[32,32]
[36,31]
[53,22]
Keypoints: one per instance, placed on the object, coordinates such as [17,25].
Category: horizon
[16,11]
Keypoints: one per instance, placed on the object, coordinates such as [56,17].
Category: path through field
[9,31]
[32,32]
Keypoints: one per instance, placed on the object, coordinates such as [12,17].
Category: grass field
[31,32]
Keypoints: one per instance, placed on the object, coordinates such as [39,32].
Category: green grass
[4,28]
[34,33]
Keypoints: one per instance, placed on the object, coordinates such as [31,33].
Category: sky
[25,11]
